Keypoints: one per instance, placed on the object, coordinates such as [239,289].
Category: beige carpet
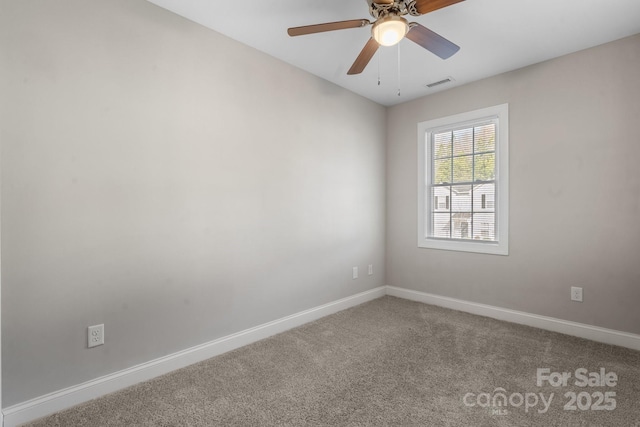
[389,362]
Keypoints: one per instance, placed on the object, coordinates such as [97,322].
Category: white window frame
[499,113]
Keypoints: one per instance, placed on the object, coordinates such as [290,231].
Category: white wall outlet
[355,272]
[370,269]
[95,335]
[576,294]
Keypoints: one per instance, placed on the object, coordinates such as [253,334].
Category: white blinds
[461,188]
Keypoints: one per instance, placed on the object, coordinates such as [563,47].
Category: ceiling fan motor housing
[397,7]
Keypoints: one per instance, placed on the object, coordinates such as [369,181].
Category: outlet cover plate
[95,335]
[576,294]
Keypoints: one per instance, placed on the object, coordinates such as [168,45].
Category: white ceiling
[494,35]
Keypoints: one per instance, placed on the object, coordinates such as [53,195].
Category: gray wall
[574,191]
[170,183]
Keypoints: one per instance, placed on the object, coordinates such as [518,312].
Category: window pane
[442,145]
[488,193]
[484,226]
[463,141]
[441,225]
[485,138]
[463,169]
[461,198]
[442,171]
[485,167]
[461,225]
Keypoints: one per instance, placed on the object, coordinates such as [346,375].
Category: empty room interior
[274,213]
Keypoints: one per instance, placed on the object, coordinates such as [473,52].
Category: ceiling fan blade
[426,6]
[329,26]
[383,1]
[431,41]
[365,56]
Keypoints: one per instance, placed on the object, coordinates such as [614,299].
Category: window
[463,182]
[441,203]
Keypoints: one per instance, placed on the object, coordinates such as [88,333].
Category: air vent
[440,82]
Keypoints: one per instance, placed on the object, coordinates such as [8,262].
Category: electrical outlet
[576,294]
[95,335]
[355,272]
[370,269]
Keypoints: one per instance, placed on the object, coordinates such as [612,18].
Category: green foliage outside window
[466,155]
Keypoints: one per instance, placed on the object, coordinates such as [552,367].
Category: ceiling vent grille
[440,82]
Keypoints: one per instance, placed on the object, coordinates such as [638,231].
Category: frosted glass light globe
[389,30]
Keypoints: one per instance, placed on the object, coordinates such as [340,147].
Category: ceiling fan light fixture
[388,31]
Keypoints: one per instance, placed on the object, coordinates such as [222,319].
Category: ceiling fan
[389,28]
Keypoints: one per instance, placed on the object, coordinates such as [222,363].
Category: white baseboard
[594,333]
[63,399]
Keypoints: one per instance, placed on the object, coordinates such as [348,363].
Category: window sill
[491,248]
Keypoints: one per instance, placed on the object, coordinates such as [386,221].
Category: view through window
[463,169]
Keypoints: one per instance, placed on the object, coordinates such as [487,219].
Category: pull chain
[398,69]
[378,55]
